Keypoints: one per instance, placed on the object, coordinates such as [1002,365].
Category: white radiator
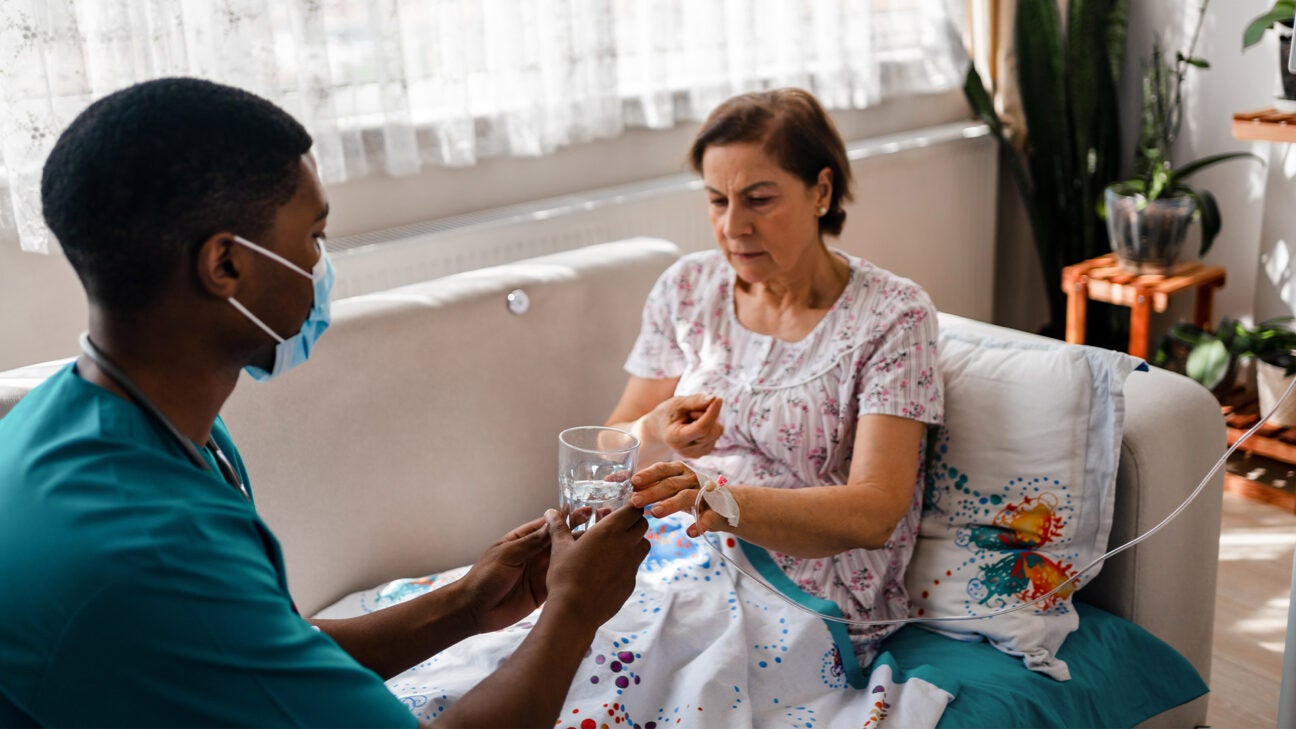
[924,208]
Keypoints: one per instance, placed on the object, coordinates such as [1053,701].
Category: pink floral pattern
[790,408]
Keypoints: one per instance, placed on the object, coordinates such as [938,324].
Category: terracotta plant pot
[1146,235]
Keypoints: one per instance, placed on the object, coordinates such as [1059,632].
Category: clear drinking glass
[594,468]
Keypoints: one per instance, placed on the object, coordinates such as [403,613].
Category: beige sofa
[425,426]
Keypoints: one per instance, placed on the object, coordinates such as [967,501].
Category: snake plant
[1067,76]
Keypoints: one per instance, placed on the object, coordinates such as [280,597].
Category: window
[390,86]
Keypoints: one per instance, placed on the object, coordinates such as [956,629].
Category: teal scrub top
[139,590]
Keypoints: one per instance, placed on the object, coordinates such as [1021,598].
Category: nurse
[141,587]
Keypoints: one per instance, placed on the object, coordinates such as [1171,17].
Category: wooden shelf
[1270,441]
[1267,125]
[1241,411]
[1256,491]
[1269,446]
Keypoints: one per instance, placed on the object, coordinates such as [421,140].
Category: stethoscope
[115,373]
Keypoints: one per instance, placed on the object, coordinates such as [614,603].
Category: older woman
[803,375]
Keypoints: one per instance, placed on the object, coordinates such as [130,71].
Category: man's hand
[593,575]
[590,577]
[508,581]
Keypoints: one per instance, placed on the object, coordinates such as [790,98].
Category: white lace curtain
[389,86]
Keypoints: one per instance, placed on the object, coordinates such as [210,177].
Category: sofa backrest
[368,461]
[360,460]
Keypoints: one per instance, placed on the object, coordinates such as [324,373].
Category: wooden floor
[1255,570]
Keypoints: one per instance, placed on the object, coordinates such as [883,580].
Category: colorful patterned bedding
[700,645]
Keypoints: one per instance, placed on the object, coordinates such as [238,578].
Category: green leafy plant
[1282,11]
[1067,76]
[1210,357]
[1155,174]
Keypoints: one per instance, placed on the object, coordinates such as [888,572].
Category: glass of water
[594,468]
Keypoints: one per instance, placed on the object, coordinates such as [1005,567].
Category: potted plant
[1279,17]
[1211,358]
[1067,73]
[1148,216]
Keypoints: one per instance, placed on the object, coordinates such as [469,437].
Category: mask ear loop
[697,508]
[276,257]
[255,320]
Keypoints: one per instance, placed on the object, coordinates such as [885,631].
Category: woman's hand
[670,485]
[688,424]
[667,425]
[674,487]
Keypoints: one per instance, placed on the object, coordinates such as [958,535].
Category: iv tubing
[1002,611]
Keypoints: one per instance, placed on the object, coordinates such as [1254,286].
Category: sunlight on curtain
[389,86]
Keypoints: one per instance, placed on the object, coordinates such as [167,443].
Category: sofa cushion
[1122,676]
[1020,490]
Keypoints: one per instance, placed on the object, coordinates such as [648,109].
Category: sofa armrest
[1174,434]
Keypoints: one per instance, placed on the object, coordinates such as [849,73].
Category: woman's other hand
[688,424]
[667,425]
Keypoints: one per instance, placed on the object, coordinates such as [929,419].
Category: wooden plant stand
[1102,279]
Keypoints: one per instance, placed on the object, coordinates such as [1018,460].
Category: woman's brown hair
[795,131]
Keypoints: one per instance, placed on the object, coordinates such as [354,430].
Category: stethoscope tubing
[115,373]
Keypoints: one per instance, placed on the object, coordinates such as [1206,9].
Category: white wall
[1255,201]
[42,308]
[929,215]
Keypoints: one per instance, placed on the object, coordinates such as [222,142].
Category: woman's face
[766,220]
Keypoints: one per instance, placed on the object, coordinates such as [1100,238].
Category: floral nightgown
[790,407]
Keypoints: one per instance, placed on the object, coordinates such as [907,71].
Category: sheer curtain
[389,86]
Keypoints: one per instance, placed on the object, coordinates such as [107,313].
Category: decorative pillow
[1020,487]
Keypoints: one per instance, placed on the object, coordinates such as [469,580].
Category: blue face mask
[296,349]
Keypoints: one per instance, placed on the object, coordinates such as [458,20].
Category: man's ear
[220,265]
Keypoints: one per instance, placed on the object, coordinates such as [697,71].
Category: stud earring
[823,212]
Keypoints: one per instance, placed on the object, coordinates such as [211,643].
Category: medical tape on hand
[702,493]
[721,500]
